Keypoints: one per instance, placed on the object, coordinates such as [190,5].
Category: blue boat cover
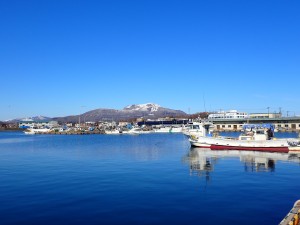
[259,126]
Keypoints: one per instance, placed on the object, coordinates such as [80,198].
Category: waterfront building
[167,122]
[69,124]
[107,124]
[27,123]
[231,114]
[281,124]
[123,124]
[265,115]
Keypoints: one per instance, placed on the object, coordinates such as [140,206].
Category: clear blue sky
[61,58]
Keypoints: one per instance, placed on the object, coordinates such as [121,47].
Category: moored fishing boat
[134,130]
[29,131]
[257,137]
[168,129]
[198,129]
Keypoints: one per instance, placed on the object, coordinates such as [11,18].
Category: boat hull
[221,143]
[283,149]
[200,145]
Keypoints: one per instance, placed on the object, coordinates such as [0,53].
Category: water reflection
[14,140]
[202,160]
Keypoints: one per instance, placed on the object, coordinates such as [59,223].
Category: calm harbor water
[140,179]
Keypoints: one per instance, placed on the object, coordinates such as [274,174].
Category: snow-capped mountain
[37,118]
[33,118]
[147,111]
[151,107]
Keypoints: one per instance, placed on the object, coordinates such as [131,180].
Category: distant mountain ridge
[35,118]
[148,110]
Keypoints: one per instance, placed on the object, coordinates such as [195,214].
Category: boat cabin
[198,129]
[258,132]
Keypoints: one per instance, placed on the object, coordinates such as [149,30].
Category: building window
[224,126]
[229,126]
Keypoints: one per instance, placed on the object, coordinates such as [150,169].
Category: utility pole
[204,103]
[280,113]
[268,112]
[80,114]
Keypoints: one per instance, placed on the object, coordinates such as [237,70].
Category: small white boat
[162,130]
[27,131]
[115,131]
[176,130]
[197,129]
[36,130]
[168,129]
[135,130]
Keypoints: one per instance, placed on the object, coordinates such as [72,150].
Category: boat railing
[230,138]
